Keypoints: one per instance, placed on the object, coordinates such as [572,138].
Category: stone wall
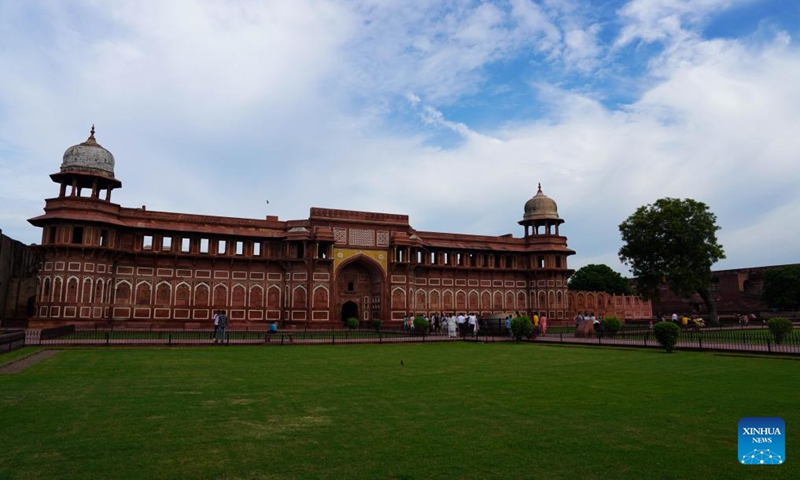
[18,281]
[734,291]
[624,307]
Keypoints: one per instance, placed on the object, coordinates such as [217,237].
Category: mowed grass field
[455,410]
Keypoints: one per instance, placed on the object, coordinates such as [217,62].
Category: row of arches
[600,300]
[91,290]
[143,293]
[461,300]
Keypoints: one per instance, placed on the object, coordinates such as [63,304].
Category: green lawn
[454,410]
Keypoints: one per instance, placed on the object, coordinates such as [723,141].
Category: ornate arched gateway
[360,283]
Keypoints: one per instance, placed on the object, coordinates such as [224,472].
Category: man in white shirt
[460,322]
[472,322]
[216,325]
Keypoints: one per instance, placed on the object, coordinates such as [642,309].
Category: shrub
[352,323]
[667,334]
[376,324]
[611,325]
[521,327]
[780,327]
[421,325]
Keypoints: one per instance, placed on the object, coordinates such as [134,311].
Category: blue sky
[450,112]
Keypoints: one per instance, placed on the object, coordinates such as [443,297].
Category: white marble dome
[89,157]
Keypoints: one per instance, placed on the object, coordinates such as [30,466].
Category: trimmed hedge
[780,327]
[521,327]
[667,334]
[352,323]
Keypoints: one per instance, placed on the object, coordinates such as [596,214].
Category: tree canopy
[672,241]
[599,278]
[782,287]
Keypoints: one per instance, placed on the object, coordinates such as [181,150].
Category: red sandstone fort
[101,262]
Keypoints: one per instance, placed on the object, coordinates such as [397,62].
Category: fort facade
[102,262]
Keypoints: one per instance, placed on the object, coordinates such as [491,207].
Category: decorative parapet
[625,307]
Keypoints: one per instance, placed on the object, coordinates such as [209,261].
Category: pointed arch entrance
[360,283]
[349,310]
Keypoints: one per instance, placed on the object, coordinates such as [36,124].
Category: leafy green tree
[672,241]
[782,288]
[599,278]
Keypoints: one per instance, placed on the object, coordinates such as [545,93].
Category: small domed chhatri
[89,157]
[541,207]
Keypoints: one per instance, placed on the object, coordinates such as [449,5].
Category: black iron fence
[750,339]
[753,340]
[12,341]
[150,337]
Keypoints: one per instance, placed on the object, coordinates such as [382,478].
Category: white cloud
[215,108]
[662,20]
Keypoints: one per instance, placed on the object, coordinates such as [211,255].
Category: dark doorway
[349,309]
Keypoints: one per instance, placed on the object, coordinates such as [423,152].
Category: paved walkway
[21,364]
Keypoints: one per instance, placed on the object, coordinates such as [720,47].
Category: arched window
[98,291]
[86,293]
[320,298]
[46,290]
[72,290]
[143,293]
[434,301]
[422,303]
[447,301]
[256,297]
[398,299]
[486,301]
[163,294]
[274,297]
[237,296]
[299,298]
[122,295]
[201,295]
[220,296]
[182,295]
[498,301]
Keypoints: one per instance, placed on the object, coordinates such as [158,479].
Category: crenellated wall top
[350,215]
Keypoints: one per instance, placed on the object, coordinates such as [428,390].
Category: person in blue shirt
[273,327]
